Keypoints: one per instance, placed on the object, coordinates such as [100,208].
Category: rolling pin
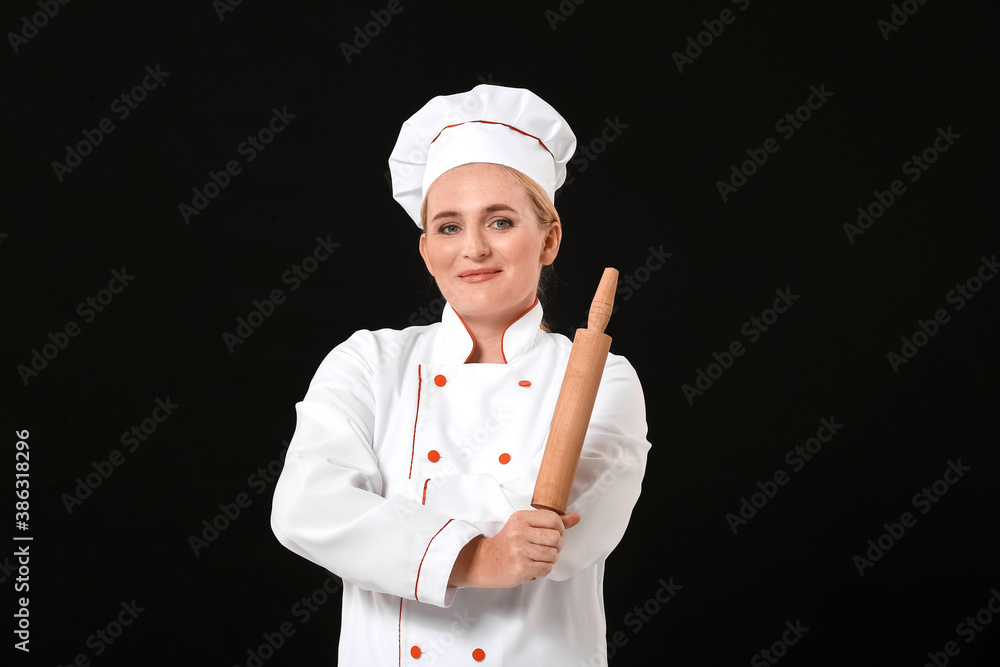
[576,402]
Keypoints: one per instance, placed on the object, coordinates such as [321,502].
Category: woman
[411,470]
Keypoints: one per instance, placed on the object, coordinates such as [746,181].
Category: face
[484,245]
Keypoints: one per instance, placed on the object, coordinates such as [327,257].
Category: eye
[502,223]
[448,229]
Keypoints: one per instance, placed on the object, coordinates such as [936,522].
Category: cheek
[528,251]
[439,258]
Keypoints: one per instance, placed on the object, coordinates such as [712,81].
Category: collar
[520,335]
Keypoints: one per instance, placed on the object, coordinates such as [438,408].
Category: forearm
[466,572]
[526,548]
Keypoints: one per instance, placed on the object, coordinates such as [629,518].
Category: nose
[476,243]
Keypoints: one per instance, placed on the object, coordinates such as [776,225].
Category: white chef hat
[508,126]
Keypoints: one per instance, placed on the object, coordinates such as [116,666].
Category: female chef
[415,452]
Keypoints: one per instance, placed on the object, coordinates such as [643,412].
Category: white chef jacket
[402,453]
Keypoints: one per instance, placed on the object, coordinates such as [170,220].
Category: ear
[550,245]
[423,252]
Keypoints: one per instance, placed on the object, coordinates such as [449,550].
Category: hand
[525,548]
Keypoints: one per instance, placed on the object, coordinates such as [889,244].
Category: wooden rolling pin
[576,402]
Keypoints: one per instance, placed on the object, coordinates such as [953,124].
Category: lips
[479,275]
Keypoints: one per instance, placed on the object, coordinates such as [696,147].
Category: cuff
[438,561]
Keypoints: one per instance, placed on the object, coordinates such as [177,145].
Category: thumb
[570,520]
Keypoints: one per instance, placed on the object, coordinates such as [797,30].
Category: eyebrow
[492,208]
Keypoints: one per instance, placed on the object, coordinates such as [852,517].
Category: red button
[505,458]
[433,456]
[439,380]
[479,655]
[415,652]
[524,383]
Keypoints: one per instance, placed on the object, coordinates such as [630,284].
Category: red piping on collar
[493,122]
[502,353]
[469,331]
[473,351]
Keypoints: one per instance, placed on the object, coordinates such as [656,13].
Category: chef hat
[508,126]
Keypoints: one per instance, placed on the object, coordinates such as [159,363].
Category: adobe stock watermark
[623,462]
[364,34]
[223,7]
[631,282]
[30,25]
[787,126]
[104,637]
[122,106]
[7,568]
[428,652]
[131,440]
[968,629]
[900,14]
[561,13]
[391,350]
[797,457]
[926,329]
[248,149]
[779,648]
[914,168]
[923,500]
[422,316]
[590,151]
[22,616]
[258,482]
[752,330]
[302,611]
[87,309]
[294,276]
[447,465]
[696,44]
[428,314]
[635,620]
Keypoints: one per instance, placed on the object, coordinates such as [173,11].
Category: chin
[487,299]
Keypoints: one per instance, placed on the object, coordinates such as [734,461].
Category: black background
[654,185]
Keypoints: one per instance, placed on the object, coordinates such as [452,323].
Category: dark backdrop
[115,522]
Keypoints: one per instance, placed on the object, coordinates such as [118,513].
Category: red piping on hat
[493,122]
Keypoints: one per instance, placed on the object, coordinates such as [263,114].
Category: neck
[487,334]
[488,337]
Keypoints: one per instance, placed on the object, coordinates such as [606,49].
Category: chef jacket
[403,453]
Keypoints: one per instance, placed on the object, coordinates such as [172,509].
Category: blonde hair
[544,209]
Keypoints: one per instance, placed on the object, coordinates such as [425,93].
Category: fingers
[540,553]
[539,532]
[548,520]
[531,542]
[536,540]
[541,519]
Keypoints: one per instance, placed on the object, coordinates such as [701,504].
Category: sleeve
[328,505]
[609,476]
